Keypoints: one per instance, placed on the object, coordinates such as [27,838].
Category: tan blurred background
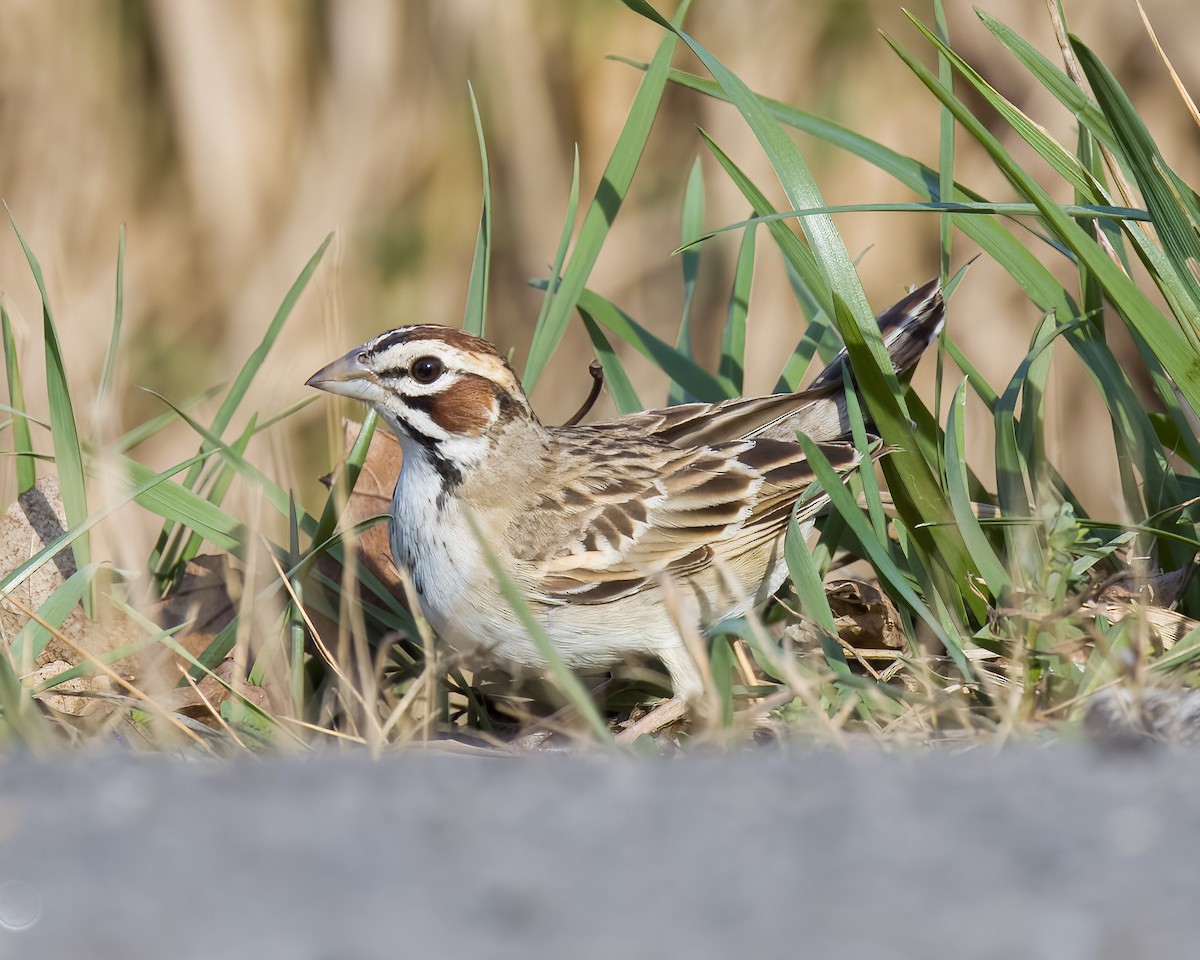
[231,136]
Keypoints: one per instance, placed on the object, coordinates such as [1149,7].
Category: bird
[611,530]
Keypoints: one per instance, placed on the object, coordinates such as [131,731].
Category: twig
[597,373]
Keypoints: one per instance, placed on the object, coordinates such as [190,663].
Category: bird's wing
[819,414]
[689,508]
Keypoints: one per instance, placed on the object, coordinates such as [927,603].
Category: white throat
[428,532]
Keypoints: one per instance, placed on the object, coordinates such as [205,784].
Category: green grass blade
[144,431]
[988,233]
[391,615]
[1186,442]
[114,340]
[87,668]
[865,478]
[31,640]
[218,490]
[912,482]
[1050,76]
[183,506]
[733,340]
[20,717]
[1160,268]
[343,484]
[1079,211]
[564,242]
[26,419]
[794,250]
[1133,431]
[1164,338]
[832,257]
[603,208]
[279,498]
[22,440]
[241,385]
[389,612]
[721,664]
[296,656]
[988,563]
[695,379]
[814,603]
[475,317]
[1064,163]
[254,362]
[143,487]
[820,337]
[1031,434]
[890,575]
[1021,468]
[1162,189]
[692,225]
[945,145]
[615,377]
[68,455]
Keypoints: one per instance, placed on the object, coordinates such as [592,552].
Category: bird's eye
[426,369]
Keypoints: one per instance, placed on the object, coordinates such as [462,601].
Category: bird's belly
[581,636]
[432,540]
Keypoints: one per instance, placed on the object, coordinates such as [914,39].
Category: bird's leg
[687,685]
[562,720]
[665,714]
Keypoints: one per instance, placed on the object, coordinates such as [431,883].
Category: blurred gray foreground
[1068,852]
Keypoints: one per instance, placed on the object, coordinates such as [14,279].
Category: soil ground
[1063,852]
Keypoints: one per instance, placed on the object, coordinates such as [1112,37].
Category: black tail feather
[908,328]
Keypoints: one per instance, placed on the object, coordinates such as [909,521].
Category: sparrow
[598,523]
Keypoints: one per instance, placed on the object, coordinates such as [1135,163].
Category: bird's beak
[347,376]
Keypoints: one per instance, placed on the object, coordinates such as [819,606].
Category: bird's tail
[908,327]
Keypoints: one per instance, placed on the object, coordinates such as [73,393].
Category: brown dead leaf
[208,596]
[211,691]
[1151,598]
[864,615]
[70,696]
[1160,590]
[1168,626]
[371,497]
